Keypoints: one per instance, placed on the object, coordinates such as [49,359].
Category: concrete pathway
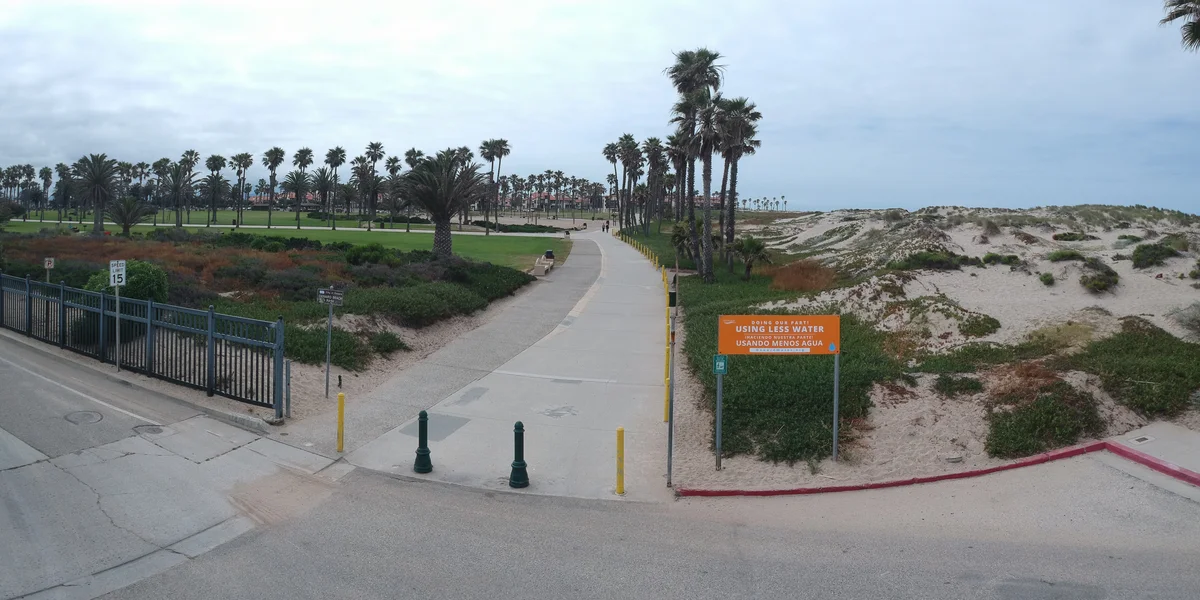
[601,367]
[103,484]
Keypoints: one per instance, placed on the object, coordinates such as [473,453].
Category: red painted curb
[1121,450]
[1159,465]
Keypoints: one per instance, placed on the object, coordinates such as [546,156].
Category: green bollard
[519,477]
[423,464]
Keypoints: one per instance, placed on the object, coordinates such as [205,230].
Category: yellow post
[341,419]
[620,461]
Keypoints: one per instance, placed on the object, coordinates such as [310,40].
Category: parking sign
[116,273]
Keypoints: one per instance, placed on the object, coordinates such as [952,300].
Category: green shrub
[292,284]
[991,258]
[1142,367]
[386,342]
[247,270]
[144,281]
[258,242]
[1150,255]
[1102,277]
[969,358]
[373,253]
[938,260]
[417,305]
[951,386]
[1074,236]
[990,228]
[1061,255]
[977,325]
[1047,278]
[1129,238]
[1176,241]
[307,345]
[274,246]
[1059,416]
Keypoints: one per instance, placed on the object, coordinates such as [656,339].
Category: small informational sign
[331,296]
[779,334]
[720,364]
[116,273]
[48,263]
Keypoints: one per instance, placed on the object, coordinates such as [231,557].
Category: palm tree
[696,76]
[214,163]
[242,162]
[178,181]
[737,121]
[443,185]
[64,187]
[488,153]
[322,184]
[298,183]
[189,159]
[301,160]
[412,156]
[751,250]
[214,186]
[392,197]
[261,189]
[127,212]
[96,175]
[47,176]
[1189,11]
[374,154]
[271,160]
[502,149]
[335,158]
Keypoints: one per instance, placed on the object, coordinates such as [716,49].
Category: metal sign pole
[836,374]
[328,347]
[671,406]
[118,353]
[720,397]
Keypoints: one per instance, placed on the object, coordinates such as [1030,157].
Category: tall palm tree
[1189,11]
[301,160]
[261,189]
[189,160]
[736,119]
[96,177]
[412,156]
[656,161]
[214,186]
[64,187]
[335,158]
[242,162]
[214,163]
[374,154]
[443,185]
[271,160]
[297,182]
[127,212]
[47,176]
[695,75]
[611,153]
[322,184]
[487,151]
[393,166]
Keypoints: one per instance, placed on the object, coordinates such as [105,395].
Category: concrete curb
[1116,448]
[248,422]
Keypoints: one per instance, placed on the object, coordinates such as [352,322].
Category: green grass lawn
[509,251]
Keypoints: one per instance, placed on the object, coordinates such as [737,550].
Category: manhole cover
[84,417]
[148,429]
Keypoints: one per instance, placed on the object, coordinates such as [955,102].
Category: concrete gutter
[1119,449]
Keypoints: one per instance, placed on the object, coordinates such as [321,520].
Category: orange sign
[779,334]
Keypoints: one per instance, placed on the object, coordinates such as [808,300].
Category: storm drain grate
[1142,439]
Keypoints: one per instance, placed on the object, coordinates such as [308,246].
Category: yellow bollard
[341,419]
[620,461]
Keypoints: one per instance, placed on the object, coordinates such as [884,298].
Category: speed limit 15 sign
[116,273]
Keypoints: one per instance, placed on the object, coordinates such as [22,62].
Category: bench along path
[601,367]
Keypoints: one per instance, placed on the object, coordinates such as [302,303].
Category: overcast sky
[865,104]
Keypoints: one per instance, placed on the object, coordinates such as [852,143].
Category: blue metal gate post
[1,298]
[278,368]
[62,314]
[150,338]
[103,347]
[28,309]
[212,351]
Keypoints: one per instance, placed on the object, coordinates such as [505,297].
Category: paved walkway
[600,367]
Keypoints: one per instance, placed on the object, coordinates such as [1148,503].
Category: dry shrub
[1017,383]
[802,276]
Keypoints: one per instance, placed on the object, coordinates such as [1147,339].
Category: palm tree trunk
[723,210]
[708,249]
[97,215]
[442,239]
[729,220]
[271,200]
[298,203]
[693,235]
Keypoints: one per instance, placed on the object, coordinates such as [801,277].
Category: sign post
[720,368]
[48,263]
[332,297]
[766,335]
[116,279]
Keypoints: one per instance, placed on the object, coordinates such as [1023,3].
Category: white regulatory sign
[116,273]
[48,263]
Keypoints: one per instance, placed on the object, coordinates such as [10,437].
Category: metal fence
[222,354]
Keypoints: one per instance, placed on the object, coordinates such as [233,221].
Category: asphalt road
[1077,530]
